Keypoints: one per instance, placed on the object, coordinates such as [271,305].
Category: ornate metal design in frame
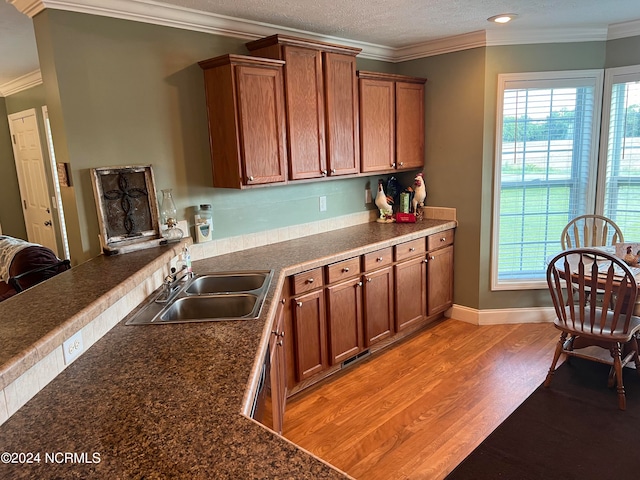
[127,208]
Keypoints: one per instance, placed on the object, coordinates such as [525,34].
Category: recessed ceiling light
[502,18]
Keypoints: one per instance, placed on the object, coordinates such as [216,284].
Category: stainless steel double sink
[209,297]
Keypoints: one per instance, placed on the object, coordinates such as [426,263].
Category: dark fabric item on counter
[29,267]
[571,430]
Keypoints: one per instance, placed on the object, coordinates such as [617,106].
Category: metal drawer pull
[412,249]
[379,259]
[443,239]
[345,270]
[310,280]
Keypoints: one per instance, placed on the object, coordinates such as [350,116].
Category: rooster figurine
[386,211]
[419,193]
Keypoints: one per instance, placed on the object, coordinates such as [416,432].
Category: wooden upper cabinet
[409,125]
[377,125]
[245,103]
[341,99]
[321,104]
[391,122]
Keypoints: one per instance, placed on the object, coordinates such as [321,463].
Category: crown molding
[21,83]
[439,46]
[545,35]
[149,11]
[623,30]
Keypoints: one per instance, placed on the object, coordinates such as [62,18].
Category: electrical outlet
[323,203]
[367,195]
[72,348]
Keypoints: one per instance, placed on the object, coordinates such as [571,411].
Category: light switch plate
[72,348]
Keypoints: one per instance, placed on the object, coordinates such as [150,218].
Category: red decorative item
[405,217]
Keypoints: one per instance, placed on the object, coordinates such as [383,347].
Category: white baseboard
[502,315]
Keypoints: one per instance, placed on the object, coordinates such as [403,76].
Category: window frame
[572,79]
[612,76]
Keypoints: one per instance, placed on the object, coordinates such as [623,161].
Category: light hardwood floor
[418,409]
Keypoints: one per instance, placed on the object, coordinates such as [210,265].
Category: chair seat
[615,335]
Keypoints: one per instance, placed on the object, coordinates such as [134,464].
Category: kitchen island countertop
[167,401]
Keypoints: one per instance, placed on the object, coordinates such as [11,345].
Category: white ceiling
[391,30]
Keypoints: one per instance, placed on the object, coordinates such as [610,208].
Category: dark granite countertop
[167,401]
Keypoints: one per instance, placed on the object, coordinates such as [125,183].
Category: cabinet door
[341,97]
[440,280]
[410,292]
[344,318]
[304,93]
[310,334]
[278,392]
[409,125]
[377,125]
[261,122]
[378,305]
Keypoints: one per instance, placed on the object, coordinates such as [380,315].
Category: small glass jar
[204,223]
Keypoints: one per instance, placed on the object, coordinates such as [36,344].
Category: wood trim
[280,39]
[390,77]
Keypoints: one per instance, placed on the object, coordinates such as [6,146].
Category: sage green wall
[11,217]
[623,52]
[34,97]
[453,150]
[125,93]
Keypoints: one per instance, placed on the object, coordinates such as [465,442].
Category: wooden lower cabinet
[344,319]
[277,391]
[310,334]
[378,305]
[410,292]
[336,312]
[439,280]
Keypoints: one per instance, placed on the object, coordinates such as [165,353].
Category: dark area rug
[571,430]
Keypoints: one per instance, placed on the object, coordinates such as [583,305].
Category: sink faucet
[174,278]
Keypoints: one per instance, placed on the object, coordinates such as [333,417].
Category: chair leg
[617,365]
[556,356]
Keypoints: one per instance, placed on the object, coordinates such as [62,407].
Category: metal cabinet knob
[345,270]
[359,284]
[333,170]
[379,259]
[401,163]
[251,178]
[299,304]
[324,173]
[369,279]
[443,239]
[393,165]
[310,280]
[412,249]
[279,343]
[431,257]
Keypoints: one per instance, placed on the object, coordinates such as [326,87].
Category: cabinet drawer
[306,281]
[410,249]
[439,240]
[377,259]
[343,270]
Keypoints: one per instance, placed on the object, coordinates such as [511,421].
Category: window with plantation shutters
[619,197]
[545,168]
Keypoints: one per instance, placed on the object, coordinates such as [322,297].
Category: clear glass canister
[204,223]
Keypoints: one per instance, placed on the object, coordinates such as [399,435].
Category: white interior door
[27,151]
